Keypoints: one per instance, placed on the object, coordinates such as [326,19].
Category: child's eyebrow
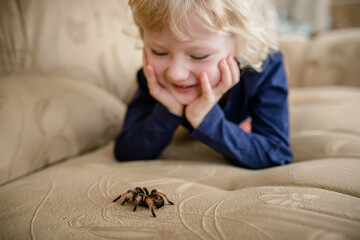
[202,47]
[191,45]
[154,43]
[202,44]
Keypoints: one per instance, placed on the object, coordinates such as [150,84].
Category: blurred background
[86,39]
[309,17]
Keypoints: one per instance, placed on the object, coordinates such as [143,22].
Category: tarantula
[140,196]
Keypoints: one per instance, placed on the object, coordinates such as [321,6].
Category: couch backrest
[329,58]
[94,41]
[333,58]
[295,57]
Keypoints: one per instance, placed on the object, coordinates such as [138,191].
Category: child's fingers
[151,79]
[148,69]
[149,73]
[145,62]
[234,69]
[205,86]
[226,78]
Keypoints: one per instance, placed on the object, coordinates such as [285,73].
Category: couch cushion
[44,119]
[323,122]
[73,200]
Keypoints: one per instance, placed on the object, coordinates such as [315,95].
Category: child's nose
[177,71]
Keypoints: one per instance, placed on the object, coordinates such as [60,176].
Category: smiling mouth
[184,87]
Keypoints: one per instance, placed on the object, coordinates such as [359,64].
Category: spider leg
[152,211]
[117,198]
[121,195]
[167,199]
[140,190]
[150,204]
[125,200]
[146,190]
[129,195]
[138,199]
[163,195]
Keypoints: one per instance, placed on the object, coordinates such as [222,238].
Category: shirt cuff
[210,122]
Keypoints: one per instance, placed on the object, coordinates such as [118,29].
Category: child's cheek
[215,77]
[213,73]
[152,61]
[158,65]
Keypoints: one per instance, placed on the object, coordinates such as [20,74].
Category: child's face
[178,64]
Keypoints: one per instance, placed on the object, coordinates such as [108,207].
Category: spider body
[140,196]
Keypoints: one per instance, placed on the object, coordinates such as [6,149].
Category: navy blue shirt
[149,126]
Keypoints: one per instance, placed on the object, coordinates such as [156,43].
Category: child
[207,65]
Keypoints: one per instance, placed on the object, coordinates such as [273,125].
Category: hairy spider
[140,196]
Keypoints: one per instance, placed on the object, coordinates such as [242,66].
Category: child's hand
[196,111]
[160,93]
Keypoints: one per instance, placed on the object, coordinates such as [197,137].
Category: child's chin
[185,100]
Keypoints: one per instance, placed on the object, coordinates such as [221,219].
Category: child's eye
[158,53]
[200,57]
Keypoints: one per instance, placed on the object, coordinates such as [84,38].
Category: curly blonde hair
[245,20]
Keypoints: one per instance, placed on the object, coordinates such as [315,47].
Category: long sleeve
[148,127]
[263,98]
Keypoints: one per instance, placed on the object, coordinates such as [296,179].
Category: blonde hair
[245,20]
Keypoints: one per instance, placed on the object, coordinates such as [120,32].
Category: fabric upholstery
[87,41]
[295,57]
[68,68]
[333,59]
[318,126]
[324,59]
[315,199]
[47,119]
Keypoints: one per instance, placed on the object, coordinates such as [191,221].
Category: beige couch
[68,70]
